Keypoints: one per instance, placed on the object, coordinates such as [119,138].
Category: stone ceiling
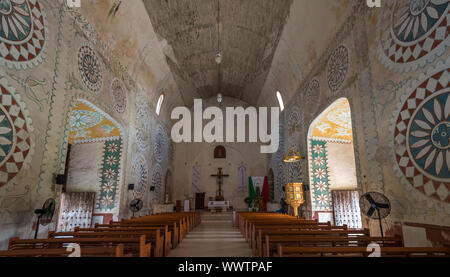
[246,31]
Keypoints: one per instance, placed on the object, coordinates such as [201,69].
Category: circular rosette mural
[15,127]
[157,183]
[143,125]
[118,96]
[160,144]
[90,68]
[419,30]
[140,171]
[337,68]
[422,137]
[22,33]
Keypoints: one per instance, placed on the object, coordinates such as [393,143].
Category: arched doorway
[332,170]
[93,167]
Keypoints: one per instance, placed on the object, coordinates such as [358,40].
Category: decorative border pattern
[320,195]
[106,198]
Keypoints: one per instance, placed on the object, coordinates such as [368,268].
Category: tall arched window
[160,101]
[280,101]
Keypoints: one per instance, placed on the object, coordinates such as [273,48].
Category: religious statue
[166,199]
[258,201]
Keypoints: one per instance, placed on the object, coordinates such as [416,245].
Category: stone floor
[214,237]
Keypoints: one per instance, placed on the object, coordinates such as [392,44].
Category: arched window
[280,101]
[160,101]
[220,152]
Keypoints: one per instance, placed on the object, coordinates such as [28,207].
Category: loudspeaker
[152,188]
[305,187]
[60,179]
[130,186]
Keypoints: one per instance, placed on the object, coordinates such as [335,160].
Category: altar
[224,205]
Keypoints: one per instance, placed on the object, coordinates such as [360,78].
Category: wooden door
[200,201]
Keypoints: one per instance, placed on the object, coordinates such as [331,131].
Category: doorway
[332,170]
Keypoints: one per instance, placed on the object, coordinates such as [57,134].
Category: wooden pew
[172,228]
[305,232]
[167,244]
[271,242]
[294,225]
[152,236]
[288,251]
[115,251]
[134,246]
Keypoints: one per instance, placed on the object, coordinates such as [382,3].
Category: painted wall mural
[118,96]
[90,68]
[320,194]
[157,182]
[88,124]
[313,97]
[422,136]
[143,138]
[23,33]
[337,68]
[335,123]
[16,147]
[295,118]
[160,144]
[418,32]
[140,172]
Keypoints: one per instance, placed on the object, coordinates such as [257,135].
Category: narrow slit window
[160,101]
[280,101]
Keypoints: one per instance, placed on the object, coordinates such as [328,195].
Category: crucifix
[219,176]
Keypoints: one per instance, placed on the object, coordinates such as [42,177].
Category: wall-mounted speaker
[305,187]
[60,179]
[152,188]
[130,186]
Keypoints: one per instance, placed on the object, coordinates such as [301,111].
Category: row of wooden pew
[274,234]
[147,236]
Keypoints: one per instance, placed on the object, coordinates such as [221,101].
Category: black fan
[136,205]
[376,206]
[45,214]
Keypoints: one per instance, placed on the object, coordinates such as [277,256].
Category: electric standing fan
[136,205]
[375,206]
[45,214]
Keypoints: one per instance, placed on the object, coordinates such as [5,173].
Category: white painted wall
[341,166]
[85,165]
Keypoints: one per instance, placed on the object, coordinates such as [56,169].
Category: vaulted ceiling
[246,32]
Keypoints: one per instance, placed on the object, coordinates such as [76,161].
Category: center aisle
[214,237]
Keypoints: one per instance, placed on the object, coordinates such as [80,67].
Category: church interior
[359,101]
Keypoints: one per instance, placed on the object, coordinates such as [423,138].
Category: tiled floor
[214,237]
